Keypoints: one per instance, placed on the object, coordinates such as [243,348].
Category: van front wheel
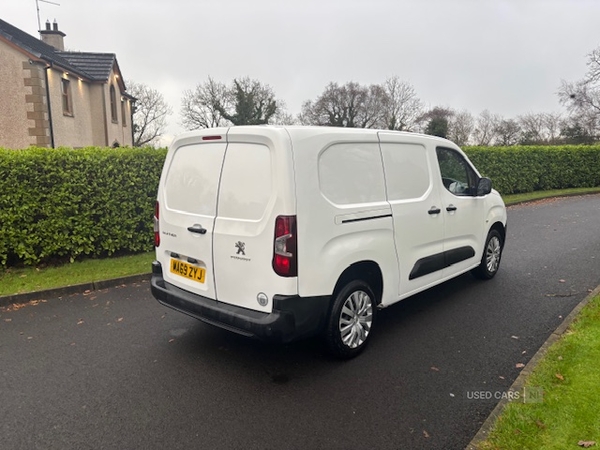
[351,320]
[490,260]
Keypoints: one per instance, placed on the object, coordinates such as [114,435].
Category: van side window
[406,170]
[351,173]
[457,175]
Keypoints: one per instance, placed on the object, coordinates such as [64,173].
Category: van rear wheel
[351,320]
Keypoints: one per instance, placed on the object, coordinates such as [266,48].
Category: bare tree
[579,128]
[507,132]
[402,107]
[540,128]
[150,114]
[552,122]
[198,106]
[349,105]
[485,130]
[533,128]
[282,116]
[461,127]
[582,98]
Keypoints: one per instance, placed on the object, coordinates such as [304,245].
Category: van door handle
[196,228]
[451,208]
[434,210]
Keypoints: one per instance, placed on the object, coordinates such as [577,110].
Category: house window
[123,115]
[113,104]
[67,100]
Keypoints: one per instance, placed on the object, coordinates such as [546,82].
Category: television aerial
[37,6]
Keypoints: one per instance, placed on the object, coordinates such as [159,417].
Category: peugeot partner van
[282,233]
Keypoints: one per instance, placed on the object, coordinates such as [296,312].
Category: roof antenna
[37,6]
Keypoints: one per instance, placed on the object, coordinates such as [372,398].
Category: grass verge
[569,375]
[538,195]
[28,279]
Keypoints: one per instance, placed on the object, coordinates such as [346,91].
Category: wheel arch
[367,271]
[500,228]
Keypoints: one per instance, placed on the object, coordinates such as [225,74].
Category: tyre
[351,320]
[490,260]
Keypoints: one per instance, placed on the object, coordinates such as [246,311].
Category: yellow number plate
[188,271]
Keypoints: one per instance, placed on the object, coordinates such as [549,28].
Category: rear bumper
[293,317]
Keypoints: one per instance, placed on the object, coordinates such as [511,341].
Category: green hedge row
[519,169]
[63,203]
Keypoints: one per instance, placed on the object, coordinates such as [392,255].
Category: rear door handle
[197,228]
[451,208]
[434,210]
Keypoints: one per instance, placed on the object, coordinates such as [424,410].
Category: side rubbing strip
[439,261]
[360,219]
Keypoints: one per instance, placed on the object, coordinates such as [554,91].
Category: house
[50,97]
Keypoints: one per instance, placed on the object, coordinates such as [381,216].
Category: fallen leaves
[425,434]
[559,376]
[586,444]
[435,369]
[17,306]
[519,365]
[80,321]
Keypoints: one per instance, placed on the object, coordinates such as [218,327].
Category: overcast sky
[507,56]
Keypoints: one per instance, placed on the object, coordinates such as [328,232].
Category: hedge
[64,203]
[519,169]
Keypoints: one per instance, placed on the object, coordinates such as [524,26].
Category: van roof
[302,129]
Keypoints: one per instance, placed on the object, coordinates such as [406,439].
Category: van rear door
[187,209]
[257,186]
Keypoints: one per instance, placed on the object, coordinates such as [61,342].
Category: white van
[283,233]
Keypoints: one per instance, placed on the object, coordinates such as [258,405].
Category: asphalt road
[113,369]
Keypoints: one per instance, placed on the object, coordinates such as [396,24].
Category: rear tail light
[156,227]
[285,257]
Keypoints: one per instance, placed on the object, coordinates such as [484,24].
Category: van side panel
[343,216]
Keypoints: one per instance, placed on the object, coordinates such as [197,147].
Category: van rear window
[246,183]
[192,179]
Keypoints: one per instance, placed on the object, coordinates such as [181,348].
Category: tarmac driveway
[113,369]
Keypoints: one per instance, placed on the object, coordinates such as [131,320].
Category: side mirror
[484,186]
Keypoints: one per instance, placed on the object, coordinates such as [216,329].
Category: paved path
[113,369]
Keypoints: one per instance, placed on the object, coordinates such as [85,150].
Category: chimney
[52,36]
